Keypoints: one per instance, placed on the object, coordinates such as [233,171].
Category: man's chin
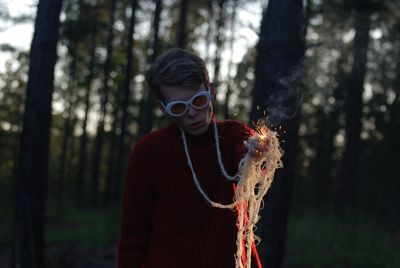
[198,131]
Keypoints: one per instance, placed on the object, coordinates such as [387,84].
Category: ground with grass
[87,239]
[320,240]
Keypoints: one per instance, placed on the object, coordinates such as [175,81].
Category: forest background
[326,72]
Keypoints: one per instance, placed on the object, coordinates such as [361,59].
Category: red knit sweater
[166,223]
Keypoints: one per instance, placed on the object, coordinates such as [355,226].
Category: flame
[262,130]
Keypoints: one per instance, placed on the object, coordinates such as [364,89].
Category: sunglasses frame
[169,106]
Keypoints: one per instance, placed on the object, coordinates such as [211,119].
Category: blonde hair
[177,67]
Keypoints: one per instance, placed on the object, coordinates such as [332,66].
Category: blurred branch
[14,20]
[7,48]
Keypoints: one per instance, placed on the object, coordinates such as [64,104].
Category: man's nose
[191,111]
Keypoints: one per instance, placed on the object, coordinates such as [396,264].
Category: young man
[174,173]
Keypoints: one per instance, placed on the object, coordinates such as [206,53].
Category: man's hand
[256,147]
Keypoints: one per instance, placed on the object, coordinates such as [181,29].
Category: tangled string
[255,178]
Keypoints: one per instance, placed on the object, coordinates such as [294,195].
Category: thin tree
[111,195]
[125,96]
[182,33]
[230,64]
[328,127]
[2,146]
[279,54]
[88,80]
[397,80]
[349,172]
[32,178]
[219,40]
[68,114]
[68,124]
[98,143]
[209,31]
[147,107]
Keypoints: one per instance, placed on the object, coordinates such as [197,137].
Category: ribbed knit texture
[166,223]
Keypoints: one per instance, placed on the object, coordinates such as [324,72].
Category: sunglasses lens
[178,108]
[200,101]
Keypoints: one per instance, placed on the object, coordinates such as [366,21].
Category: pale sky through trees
[247,23]
[20,35]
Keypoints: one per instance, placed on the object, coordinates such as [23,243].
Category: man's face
[193,121]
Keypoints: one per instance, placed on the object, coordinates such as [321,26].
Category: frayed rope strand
[254,177]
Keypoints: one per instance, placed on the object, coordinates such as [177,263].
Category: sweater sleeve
[137,207]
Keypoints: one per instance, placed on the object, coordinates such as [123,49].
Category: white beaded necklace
[221,165]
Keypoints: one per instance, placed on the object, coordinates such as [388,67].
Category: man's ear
[213,92]
[160,106]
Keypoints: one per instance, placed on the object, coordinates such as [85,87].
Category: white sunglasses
[179,108]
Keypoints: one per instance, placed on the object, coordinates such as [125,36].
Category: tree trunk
[349,172]
[125,103]
[81,171]
[277,90]
[327,130]
[182,34]
[111,191]
[219,40]
[219,43]
[71,161]
[230,64]
[396,85]
[32,178]
[98,143]
[1,145]
[147,107]
[68,126]
[209,32]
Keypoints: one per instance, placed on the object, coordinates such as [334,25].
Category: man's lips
[195,125]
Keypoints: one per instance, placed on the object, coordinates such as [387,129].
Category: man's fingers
[256,147]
